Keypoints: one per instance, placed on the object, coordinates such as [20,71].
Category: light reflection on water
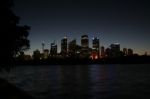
[83,81]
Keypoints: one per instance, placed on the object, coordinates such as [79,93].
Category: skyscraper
[64,46]
[53,51]
[85,53]
[103,52]
[84,41]
[115,50]
[95,48]
[108,52]
[72,48]
[43,45]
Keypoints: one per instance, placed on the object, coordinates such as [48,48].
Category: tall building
[108,52]
[64,46]
[43,45]
[103,52]
[115,50]
[72,48]
[84,41]
[85,53]
[53,51]
[95,48]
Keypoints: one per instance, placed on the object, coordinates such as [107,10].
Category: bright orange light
[94,56]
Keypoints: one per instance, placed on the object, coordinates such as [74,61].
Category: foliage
[13,39]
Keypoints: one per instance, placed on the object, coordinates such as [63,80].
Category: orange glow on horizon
[94,56]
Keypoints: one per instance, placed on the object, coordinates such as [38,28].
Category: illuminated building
[84,41]
[78,51]
[102,52]
[72,48]
[85,53]
[95,48]
[64,46]
[53,51]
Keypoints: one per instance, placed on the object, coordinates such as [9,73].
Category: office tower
[115,50]
[53,51]
[85,53]
[72,48]
[84,41]
[108,52]
[102,52]
[115,47]
[95,48]
[64,46]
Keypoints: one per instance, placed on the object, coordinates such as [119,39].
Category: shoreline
[86,61]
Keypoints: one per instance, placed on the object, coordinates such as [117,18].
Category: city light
[73,50]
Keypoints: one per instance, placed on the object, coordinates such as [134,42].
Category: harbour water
[82,81]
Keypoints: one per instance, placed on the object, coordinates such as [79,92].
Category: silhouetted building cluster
[73,50]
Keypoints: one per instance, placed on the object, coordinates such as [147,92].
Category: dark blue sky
[123,21]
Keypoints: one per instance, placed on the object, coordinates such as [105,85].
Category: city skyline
[48,45]
[126,22]
[71,50]
[84,44]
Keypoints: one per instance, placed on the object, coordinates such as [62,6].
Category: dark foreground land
[79,61]
[10,91]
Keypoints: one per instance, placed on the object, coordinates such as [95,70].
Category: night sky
[124,21]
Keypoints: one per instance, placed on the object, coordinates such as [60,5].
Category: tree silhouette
[13,38]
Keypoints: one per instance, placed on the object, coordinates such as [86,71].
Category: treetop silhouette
[14,38]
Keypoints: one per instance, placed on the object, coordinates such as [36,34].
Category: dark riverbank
[77,61]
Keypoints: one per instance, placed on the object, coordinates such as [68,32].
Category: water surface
[83,81]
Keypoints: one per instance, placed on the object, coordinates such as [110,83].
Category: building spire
[43,45]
